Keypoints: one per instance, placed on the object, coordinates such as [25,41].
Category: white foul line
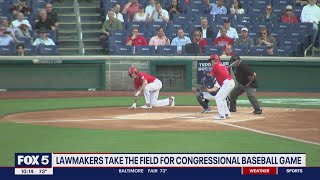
[266,133]
[66,120]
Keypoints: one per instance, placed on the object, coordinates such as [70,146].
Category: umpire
[247,82]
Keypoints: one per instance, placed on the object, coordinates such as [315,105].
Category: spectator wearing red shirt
[223,40]
[289,17]
[228,51]
[131,7]
[135,39]
[197,38]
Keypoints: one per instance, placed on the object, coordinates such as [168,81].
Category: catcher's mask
[132,70]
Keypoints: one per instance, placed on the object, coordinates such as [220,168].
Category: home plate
[152,116]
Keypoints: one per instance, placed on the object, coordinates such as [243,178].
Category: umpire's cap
[215,57]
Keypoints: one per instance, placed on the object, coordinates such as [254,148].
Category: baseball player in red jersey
[227,84]
[151,87]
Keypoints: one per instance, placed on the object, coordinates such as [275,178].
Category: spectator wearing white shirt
[43,39]
[181,40]
[150,8]
[231,32]
[311,14]
[116,9]
[20,19]
[159,14]
[217,8]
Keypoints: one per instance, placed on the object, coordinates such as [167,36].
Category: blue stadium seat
[243,18]
[260,3]
[167,50]
[145,50]
[259,25]
[114,41]
[292,43]
[282,51]
[195,10]
[304,27]
[282,3]
[180,18]
[255,13]
[239,25]
[140,25]
[175,26]
[47,50]
[283,26]
[240,50]
[258,51]
[25,41]
[277,34]
[219,18]
[7,50]
[208,50]
[254,34]
[297,11]
[155,25]
[119,34]
[122,50]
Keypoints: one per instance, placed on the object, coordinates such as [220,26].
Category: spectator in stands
[150,8]
[268,16]
[180,41]
[116,9]
[135,39]
[131,8]
[174,8]
[140,16]
[44,22]
[20,7]
[223,40]
[228,51]
[109,25]
[43,38]
[5,23]
[197,38]
[305,2]
[5,38]
[52,15]
[244,39]
[159,39]
[231,32]
[215,8]
[159,14]
[289,17]
[206,31]
[236,8]
[311,14]
[265,38]
[23,31]
[20,50]
[269,50]
[20,19]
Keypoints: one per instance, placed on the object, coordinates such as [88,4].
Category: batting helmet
[215,57]
[132,70]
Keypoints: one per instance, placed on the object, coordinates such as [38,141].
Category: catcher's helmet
[234,58]
[132,70]
[215,57]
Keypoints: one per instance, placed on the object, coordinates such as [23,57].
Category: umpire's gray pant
[238,90]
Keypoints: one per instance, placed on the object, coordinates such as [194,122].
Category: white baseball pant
[221,96]
[151,93]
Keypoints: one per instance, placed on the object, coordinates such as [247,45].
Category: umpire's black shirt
[242,72]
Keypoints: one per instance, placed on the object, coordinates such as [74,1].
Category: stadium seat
[155,25]
[260,3]
[259,25]
[145,50]
[282,3]
[282,51]
[7,50]
[47,50]
[240,50]
[208,50]
[175,26]
[180,18]
[219,18]
[239,25]
[122,50]
[258,51]
[25,41]
[283,26]
[114,41]
[167,50]
[243,18]
[140,25]
[119,34]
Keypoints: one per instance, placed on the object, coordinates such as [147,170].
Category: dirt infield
[299,124]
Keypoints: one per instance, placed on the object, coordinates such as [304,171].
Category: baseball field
[102,122]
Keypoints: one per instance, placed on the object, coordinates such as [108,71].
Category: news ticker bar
[146,171]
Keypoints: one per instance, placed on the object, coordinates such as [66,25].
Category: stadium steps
[68,39]
[91,25]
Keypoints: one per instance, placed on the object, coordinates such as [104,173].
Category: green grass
[30,138]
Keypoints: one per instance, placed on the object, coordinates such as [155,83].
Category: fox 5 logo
[33,159]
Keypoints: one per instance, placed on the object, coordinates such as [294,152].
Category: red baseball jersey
[221,72]
[141,77]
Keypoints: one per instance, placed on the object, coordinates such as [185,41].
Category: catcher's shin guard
[203,102]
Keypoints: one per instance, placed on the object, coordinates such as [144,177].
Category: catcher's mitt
[202,88]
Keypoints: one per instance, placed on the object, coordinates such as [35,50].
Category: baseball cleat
[228,116]
[232,110]
[206,110]
[146,107]
[257,111]
[171,101]
[219,117]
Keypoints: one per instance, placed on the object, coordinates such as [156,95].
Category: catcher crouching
[207,91]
